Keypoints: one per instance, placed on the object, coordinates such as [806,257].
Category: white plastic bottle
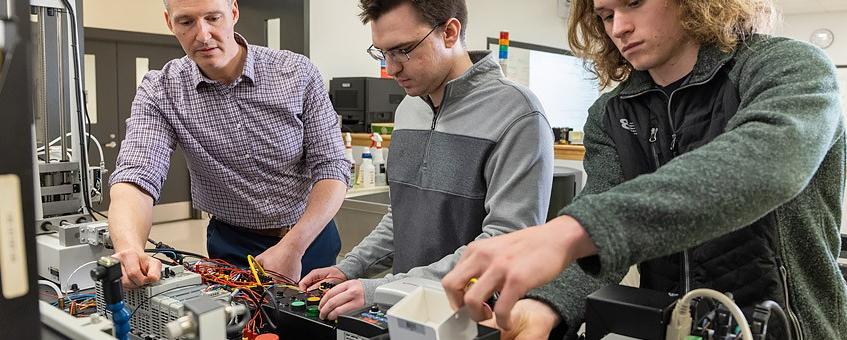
[348,155]
[379,162]
[367,172]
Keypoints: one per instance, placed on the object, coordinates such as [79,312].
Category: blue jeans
[226,243]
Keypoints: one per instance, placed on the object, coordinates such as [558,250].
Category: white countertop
[361,192]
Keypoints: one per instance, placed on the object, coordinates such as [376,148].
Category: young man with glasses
[471,154]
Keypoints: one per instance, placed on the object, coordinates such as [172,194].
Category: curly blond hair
[723,23]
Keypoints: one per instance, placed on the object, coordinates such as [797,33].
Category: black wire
[92,211]
[271,295]
[267,317]
[275,304]
[287,279]
[80,106]
[235,331]
[261,310]
[164,247]
[170,263]
[178,258]
[87,120]
[709,310]
[182,252]
[160,293]
[775,307]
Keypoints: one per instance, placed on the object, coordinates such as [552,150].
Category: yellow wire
[253,266]
[289,287]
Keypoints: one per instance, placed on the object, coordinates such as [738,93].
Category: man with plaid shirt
[262,142]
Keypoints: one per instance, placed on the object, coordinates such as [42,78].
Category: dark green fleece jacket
[782,152]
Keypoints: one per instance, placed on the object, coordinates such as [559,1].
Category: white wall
[530,21]
[338,39]
[146,16]
[801,26]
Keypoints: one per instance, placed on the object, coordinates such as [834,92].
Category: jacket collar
[709,60]
[484,69]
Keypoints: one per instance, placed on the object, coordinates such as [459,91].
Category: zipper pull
[653,132]
[673,141]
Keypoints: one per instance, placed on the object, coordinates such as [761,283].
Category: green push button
[313,311]
[298,305]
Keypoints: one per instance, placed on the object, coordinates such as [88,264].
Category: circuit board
[295,315]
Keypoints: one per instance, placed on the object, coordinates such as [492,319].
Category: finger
[154,270]
[339,300]
[513,290]
[481,291]
[488,314]
[306,283]
[328,295]
[132,267]
[125,281]
[345,308]
[317,285]
[455,283]
[308,280]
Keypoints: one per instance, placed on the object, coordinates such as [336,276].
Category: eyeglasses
[397,55]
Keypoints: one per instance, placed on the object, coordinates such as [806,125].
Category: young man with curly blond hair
[731,179]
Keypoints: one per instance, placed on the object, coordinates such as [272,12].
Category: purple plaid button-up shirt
[254,147]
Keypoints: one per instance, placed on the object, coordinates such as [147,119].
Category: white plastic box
[426,314]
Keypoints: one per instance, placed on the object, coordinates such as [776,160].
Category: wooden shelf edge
[563,152]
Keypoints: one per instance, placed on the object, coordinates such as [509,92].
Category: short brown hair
[722,23]
[168,7]
[433,12]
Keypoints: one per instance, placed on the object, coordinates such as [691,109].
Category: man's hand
[345,297]
[327,274]
[513,264]
[282,259]
[138,268]
[531,320]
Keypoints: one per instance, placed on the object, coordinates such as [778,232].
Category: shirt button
[238,126]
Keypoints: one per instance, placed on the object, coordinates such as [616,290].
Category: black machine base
[295,320]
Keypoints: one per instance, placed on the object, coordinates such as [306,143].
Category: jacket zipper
[687,271]
[652,141]
[685,263]
[670,121]
[795,321]
[429,139]
[686,266]
[435,114]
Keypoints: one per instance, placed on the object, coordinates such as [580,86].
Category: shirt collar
[485,67]
[247,73]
